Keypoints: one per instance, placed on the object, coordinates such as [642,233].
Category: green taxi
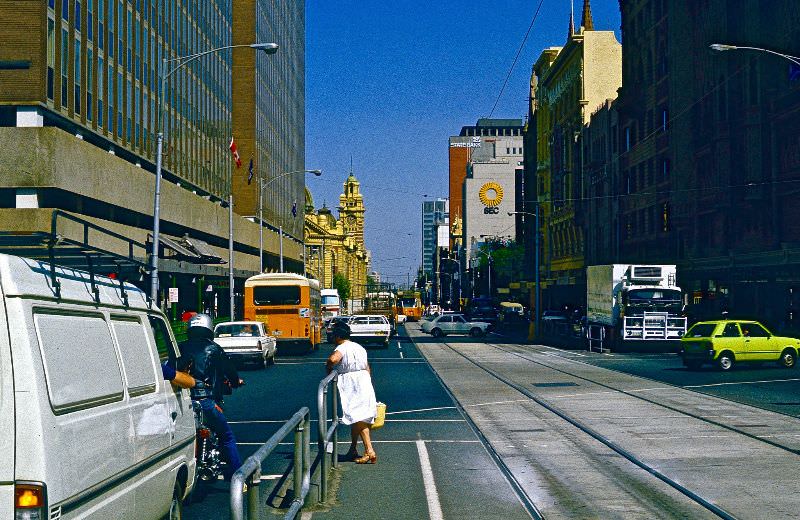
[727,342]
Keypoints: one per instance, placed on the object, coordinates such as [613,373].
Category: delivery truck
[629,304]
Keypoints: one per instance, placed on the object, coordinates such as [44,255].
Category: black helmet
[341,330]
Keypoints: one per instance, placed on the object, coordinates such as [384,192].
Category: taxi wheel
[788,358]
[725,361]
[476,332]
[437,333]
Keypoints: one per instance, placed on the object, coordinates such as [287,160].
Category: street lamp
[488,255]
[535,267]
[261,187]
[459,280]
[268,48]
[725,47]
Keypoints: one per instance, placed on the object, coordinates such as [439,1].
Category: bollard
[335,416]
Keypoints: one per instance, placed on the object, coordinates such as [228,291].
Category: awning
[187,249]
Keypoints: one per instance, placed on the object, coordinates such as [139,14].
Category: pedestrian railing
[250,472]
[327,434]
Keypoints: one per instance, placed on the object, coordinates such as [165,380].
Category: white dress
[355,385]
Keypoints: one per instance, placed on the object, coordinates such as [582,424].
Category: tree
[342,284]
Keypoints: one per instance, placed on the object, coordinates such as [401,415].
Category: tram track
[615,447]
[637,395]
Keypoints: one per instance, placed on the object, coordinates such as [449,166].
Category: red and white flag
[235,153]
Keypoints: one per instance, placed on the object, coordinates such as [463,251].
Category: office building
[79,105]
[435,214]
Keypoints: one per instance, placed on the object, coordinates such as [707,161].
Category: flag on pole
[250,171]
[294,209]
[235,153]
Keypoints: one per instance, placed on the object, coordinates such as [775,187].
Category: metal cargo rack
[78,250]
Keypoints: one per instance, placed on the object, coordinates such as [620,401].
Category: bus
[289,305]
[331,303]
[409,304]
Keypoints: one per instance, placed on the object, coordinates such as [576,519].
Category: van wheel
[476,332]
[437,333]
[176,506]
[725,361]
[788,358]
[271,360]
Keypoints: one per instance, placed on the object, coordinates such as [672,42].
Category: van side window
[166,349]
[71,345]
[137,360]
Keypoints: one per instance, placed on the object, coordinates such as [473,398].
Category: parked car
[247,341]
[370,329]
[484,314]
[454,324]
[88,425]
[727,342]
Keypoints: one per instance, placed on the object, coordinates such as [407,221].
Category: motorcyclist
[212,370]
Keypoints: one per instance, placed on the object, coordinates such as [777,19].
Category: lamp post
[268,48]
[459,280]
[261,187]
[535,267]
[488,255]
[725,47]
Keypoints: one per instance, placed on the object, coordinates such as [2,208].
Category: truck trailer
[628,304]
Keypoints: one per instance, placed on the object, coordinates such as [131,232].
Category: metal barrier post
[335,413]
[250,472]
[327,434]
[253,494]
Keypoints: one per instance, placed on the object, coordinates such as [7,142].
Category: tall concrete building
[269,110]
[461,149]
[79,113]
[435,214]
[490,186]
[572,82]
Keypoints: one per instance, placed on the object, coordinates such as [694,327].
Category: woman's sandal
[368,458]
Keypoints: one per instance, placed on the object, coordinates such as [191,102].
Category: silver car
[454,324]
[246,341]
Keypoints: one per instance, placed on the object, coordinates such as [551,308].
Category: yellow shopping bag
[380,417]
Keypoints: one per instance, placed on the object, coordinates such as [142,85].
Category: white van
[88,426]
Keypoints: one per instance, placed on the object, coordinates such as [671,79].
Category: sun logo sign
[491,195]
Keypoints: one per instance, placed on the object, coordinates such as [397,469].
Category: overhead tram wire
[516,58]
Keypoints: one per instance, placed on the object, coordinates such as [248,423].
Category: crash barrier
[250,472]
[327,434]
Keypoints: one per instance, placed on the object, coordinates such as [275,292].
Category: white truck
[629,303]
[331,303]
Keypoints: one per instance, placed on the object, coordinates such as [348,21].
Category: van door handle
[174,416]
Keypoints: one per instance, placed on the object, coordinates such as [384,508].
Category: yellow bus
[289,304]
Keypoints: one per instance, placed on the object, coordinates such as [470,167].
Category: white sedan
[454,324]
[246,341]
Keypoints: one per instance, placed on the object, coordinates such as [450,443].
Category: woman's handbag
[380,418]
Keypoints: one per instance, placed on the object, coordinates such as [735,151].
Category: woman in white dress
[355,390]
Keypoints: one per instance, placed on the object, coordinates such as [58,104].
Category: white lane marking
[270,477]
[347,443]
[306,515]
[315,420]
[434,508]
[422,410]
[401,355]
[498,402]
[371,362]
[742,383]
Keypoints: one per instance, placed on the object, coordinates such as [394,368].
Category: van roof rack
[75,244]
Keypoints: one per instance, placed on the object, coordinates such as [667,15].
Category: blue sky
[388,82]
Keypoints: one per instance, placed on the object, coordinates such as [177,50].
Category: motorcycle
[208,455]
[207,452]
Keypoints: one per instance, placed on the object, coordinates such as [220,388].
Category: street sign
[173,295]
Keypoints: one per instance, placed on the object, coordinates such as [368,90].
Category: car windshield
[701,330]
[237,330]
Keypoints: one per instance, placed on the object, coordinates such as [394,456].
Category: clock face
[351,220]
